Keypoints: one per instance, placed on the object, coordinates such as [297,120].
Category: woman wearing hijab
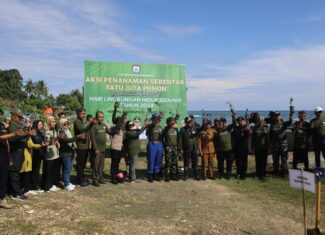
[133,144]
[6,118]
[67,151]
[51,169]
[38,154]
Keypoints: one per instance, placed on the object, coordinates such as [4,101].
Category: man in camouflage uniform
[172,147]
[278,138]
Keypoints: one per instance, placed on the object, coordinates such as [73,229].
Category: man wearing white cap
[317,127]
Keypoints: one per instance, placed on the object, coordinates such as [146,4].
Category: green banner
[141,89]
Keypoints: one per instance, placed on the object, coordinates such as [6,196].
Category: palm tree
[29,87]
[41,88]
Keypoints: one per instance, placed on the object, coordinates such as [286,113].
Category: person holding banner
[172,149]
[317,128]
[301,136]
[154,148]
[189,147]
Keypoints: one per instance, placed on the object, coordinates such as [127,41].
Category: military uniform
[224,150]
[172,148]
[4,162]
[240,137]
[300,150]
[98,139]
[206,147]
[17,146]
[80,127]
[278,138]
[189,147]
[317,129]
[260,144]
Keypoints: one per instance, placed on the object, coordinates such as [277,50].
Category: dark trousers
[241,163]
[280,152]
[261,162]
[17,159]
[51,173]
[98,167]
[191,157]
[82,155]
[25,181]
[319,147]
[223,156]
[4,170]
[300,155]
[36,166]
[116,156]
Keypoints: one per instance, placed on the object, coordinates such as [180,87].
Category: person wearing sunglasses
[132,145]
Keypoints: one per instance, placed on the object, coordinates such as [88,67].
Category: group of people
[24,147]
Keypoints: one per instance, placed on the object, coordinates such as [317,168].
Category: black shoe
[19,197]
[96,184]
[150,179]
[197,175]
[156,177]
[174,177]
[84,184]
[203,178]
[114,181]
[102,182]
[167,178]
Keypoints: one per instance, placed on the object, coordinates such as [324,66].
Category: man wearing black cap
[301,136]
[154,148]
[317,128]
[196,125]
[4,161]
[172,148]
[17,146]
[188,144]
[224,148]
[240,137]
[278,138]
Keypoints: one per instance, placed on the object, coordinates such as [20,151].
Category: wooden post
[319,183]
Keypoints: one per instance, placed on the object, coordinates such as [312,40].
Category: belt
[156,142]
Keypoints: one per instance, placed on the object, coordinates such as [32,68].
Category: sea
[211,115]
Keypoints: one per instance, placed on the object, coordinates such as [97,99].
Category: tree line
[33,96]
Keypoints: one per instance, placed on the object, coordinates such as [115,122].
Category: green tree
[29,87]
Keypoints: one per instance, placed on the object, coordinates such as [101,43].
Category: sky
[256,54]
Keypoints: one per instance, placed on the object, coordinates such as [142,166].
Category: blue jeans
[155,153]
[67,166]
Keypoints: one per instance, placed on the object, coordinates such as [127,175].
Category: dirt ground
[192,207]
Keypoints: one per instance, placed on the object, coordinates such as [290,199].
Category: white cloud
[49,39]
[179,31]
[271,76]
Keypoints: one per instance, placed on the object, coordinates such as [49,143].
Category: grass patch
[276,188]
